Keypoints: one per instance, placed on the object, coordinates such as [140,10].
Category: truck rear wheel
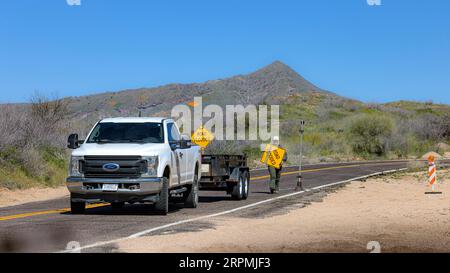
[238,189]
[162,206]
[192,195]
[77,207]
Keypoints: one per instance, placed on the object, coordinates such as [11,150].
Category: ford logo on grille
[111,167]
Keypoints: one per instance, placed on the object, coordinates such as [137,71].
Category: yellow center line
[46,212]
[305,171]
[319,169]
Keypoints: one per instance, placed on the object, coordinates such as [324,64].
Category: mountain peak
[277,66]
[276,83]
[280,73]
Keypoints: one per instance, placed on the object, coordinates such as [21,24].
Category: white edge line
[148,231]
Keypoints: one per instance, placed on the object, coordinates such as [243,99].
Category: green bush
[369,134]
[32,143]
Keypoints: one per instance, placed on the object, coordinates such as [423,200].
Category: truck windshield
[127,133]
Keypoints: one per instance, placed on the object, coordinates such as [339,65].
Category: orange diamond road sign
[202,137]
[273,156]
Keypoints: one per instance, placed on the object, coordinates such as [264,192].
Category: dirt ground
[393,211]
[13,198]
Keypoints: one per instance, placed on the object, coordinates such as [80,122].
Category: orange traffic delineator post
[432,181]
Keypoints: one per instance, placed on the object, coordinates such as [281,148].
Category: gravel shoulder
[13,198]
[391,210]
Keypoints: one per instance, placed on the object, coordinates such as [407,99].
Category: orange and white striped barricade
[432,180]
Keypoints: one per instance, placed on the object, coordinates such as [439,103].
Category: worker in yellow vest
[275,174]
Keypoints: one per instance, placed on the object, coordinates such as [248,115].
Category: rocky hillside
[276,83]
[33,136]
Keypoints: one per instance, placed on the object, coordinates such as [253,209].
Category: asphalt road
[48,226]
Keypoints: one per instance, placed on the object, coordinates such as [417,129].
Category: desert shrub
[314,138]
[290,128]
[229,147]
[46,121]
[445,127]
[398,144]
[398,111]
[369,134]
[11,120]
[375,106]
[32,140]
[430,127]
[32,162]
[334,144]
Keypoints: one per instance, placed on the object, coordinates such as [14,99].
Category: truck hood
[120,149]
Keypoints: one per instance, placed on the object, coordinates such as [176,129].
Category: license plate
[205,168]
[110,187]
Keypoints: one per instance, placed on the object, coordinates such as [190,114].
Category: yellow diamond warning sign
[273,156]
[202,137]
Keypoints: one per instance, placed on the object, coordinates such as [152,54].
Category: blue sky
[400,50]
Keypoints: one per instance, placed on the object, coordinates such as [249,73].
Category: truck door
[190,159]
[178,155]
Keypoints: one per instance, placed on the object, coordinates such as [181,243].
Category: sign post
[299,186]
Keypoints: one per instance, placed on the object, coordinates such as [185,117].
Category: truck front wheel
[162,205]
[117,205]
[192,194]
[77,207]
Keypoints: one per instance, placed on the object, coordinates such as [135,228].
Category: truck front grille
[131,167]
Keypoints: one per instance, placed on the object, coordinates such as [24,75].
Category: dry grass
[32,139]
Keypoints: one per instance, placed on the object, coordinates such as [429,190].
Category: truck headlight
[152,166]
[74,168]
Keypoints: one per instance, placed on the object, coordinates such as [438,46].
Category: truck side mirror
[174,145]
[73,142]
[185,142]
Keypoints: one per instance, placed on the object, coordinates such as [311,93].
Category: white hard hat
[276,138]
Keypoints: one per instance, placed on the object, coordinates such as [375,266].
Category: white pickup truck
[134,160]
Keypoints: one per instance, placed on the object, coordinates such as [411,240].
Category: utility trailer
[228,173]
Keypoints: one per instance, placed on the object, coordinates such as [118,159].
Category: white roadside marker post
[299,186]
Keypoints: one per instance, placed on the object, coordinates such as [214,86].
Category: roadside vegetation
[32,140]
[33,136]
[339,129]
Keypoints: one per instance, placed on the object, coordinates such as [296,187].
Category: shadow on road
[132,210]
[148,209]
[212,199]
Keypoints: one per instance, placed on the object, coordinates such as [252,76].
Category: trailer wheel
[238,189]
[192,195]
[246,185]
[162,206]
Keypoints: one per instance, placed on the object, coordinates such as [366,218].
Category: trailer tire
[238,189]
[192,195]
[246,188]
[162,206]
